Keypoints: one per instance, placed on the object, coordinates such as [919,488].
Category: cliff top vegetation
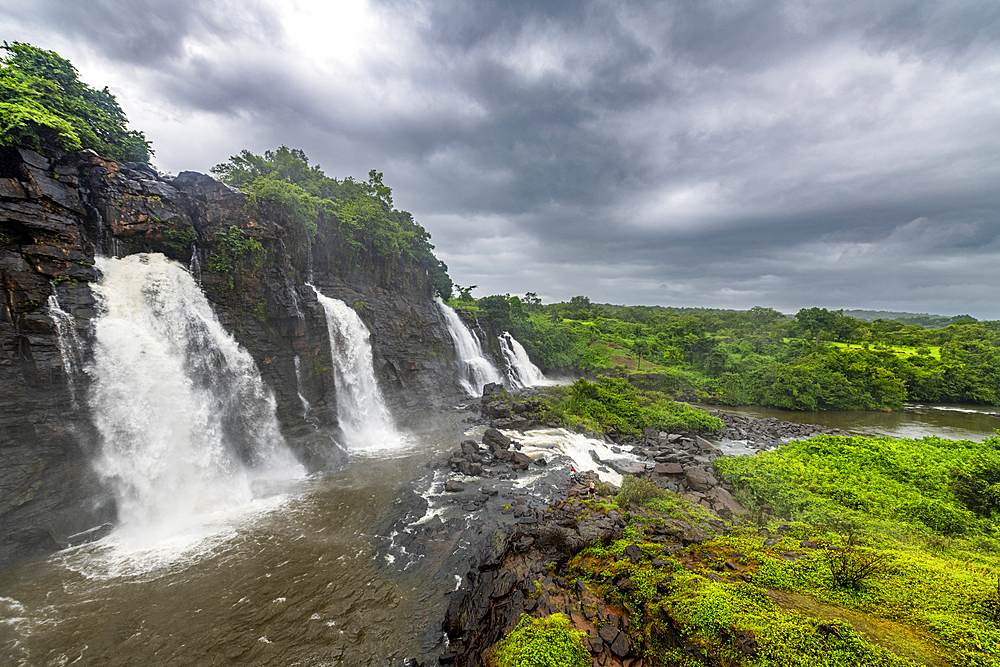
[358,214]
[44,106]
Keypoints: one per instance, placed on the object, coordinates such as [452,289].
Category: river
[955,422]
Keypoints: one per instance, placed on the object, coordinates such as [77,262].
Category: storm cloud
[724,153]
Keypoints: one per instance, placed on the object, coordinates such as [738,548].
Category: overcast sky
[722,153]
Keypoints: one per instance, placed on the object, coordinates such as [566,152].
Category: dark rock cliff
[57,211]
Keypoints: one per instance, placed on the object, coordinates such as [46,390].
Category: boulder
[724,501]
[521,460]
[470,468]
[454,487]
[699,479]
[668,469]
[495,441]
[621,646]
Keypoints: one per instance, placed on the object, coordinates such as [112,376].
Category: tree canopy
[45,106]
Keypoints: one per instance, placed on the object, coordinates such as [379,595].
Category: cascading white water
[522,372]
[361,411]
[185,420]
[306,406]
[70,348]
[475,370]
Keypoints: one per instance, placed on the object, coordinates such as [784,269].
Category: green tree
[816,320]
[641,347]
[44,106]
[465,293]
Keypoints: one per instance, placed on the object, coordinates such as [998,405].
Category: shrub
[543,642]
[637,491]
[852,566]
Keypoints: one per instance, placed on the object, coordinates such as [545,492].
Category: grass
[902,351]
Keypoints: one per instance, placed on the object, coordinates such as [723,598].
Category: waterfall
[186,423]
[195,267]
[306,407]
[475,370]
[522,372]
[70,348]
[361,410]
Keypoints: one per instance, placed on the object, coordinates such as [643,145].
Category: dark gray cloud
[696,152]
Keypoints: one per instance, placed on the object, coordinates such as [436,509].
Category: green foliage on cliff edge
[44,106]
[358,216]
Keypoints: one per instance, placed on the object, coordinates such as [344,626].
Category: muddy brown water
[293,580]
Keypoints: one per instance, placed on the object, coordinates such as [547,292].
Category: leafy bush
[543,642]
[613,404]
[977,485]
[637,491]
[852,566]
[236,254]
[44,106]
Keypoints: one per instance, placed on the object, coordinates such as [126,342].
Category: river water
[289,579]
[955,422]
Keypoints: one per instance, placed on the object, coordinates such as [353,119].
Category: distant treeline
[817,360]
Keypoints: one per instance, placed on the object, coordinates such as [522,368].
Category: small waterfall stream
[186,423]
[361,410]
[70,347]
[475,370]
[521,371]
[306,406]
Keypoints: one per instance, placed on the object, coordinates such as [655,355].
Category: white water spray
[475,370]
[521,371]
[361,411]
[185,420]
[70,347]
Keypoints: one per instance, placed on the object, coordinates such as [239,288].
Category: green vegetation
[733,621]
[927,486]
[541,642]
[238,256]
[818,360]
[44,106]
[866,551]
[907,531]
[612,405]
[355,220]
[180,238]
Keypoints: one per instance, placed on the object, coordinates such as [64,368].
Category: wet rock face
[56,211]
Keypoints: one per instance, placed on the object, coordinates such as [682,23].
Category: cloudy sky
[723,153]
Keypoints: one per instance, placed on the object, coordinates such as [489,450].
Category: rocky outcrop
[527,572]
[57,211]
[764,433]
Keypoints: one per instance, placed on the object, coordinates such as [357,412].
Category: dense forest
[817,360]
